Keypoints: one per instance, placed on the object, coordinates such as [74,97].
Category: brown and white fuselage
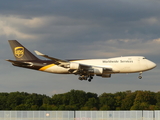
[85,68]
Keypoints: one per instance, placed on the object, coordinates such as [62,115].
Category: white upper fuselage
[128,64]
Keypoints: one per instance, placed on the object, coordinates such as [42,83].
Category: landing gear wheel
[90,78]
[85,78]
[140,77]
[80,78]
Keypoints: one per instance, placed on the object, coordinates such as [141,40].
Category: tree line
[81,100]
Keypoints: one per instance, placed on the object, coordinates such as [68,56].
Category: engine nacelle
[74,66]
[106,75]
[101,72]
[98,71]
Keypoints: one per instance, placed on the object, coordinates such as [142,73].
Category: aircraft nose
[151,65]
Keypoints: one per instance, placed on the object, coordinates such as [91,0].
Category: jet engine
[106,75]
[74,66]
[102,72]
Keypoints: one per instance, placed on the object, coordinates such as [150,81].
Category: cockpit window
[144,58]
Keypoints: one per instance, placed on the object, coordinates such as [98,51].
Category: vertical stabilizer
[20,52]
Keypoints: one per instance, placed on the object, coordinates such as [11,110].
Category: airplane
[85,68]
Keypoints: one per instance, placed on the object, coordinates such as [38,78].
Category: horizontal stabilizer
[17,62]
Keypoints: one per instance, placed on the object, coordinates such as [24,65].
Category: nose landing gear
[140,75]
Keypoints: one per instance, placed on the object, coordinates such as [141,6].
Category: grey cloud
[108,19]
[120,9]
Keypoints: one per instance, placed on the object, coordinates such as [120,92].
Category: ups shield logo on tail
[19,52]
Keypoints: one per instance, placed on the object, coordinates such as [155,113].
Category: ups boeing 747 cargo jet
[85,68]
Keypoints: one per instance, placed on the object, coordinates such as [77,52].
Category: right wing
[65,63]
[55,60]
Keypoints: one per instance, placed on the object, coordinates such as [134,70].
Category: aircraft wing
[59,62]
[55,60]
[78,68]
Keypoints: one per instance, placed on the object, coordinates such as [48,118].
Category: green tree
[143,100]
[21,107]
[92,103]
[107,99]
[3,101]
[14,99]
[119,97]
[128,101]
[80,100]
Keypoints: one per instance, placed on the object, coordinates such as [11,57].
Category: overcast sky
[80,29]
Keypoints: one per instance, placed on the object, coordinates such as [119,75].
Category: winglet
[38,53]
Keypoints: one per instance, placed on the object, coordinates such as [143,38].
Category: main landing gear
[83,77]
[90,78]
[140,75]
